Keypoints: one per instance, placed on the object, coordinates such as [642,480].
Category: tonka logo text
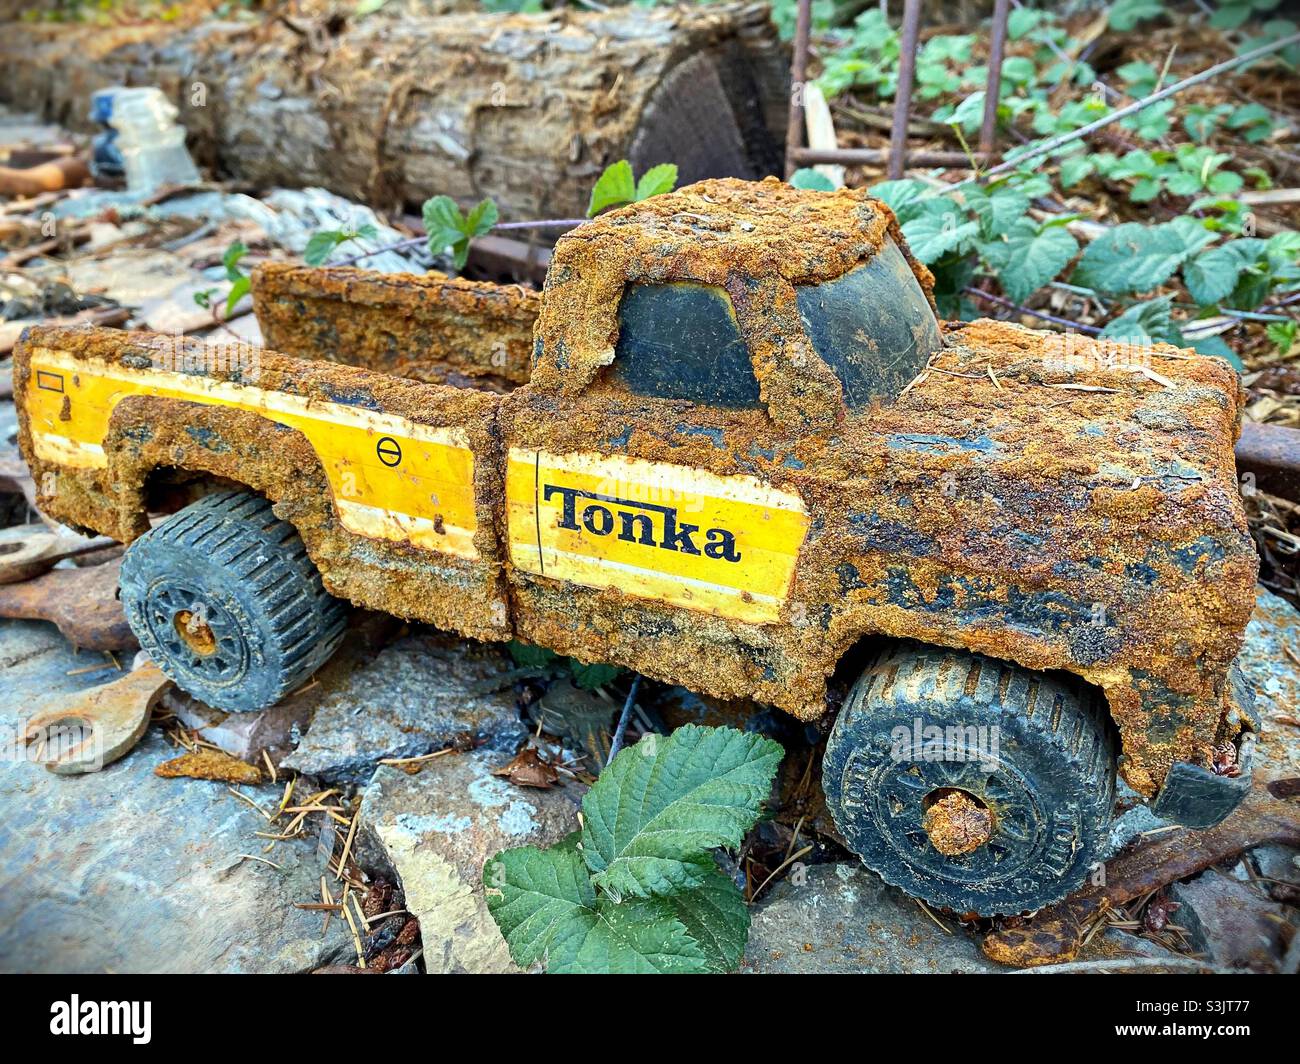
[645,523]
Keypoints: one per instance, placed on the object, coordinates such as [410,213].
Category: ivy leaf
[1212,275]
[808,178]
[660,805]
[1131,258]
[613,188]
[656,181]
[547,910]
[1029,259]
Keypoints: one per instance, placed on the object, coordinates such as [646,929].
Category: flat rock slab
[123,871]
[1273,630]
[1235,923]
[420,694]
[436,830]
[841,918]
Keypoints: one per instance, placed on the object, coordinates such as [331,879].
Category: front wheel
[970,783]
[224,599]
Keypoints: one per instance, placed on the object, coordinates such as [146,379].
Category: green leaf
[548,911]
[1217,347]
[1212,275]
[230,260]
[656,181]
[1125,14]
[1131,258]
[481,219]
[903,197]
[1027,260]
[660,805]
[529,656]
[1075,169]
[997,209]
[716,917]
[1282,334]
[808,178]
[367,7]
[238,289]
[446,227]
[1145,323]
[613,188]
[589,677]
[939,230]
[321,244]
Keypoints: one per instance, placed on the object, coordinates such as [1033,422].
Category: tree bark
[526,109]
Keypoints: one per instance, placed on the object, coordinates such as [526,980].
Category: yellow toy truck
[737,451]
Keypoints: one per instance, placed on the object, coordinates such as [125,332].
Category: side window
[873,326]
[682,341]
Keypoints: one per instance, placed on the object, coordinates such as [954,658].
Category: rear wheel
[973,784]
[226,602]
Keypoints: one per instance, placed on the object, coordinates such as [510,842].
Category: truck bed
[425,327]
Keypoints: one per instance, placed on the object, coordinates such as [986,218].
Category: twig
[617,744]
[1066,323]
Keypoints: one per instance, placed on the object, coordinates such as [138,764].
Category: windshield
[873,326]
[681,341]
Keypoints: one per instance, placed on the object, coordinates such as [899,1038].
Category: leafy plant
[324,241]
[616,186]
[240,282]
[449,228]
[637,888]
[586,676]
[1126,14]
[808,178]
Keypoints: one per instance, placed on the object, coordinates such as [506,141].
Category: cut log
[527,109]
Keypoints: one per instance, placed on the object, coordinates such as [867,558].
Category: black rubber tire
[1049,782]
[228,561]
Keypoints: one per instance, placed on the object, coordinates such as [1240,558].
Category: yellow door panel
[392,479]
[723,545]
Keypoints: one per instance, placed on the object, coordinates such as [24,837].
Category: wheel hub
[957,822]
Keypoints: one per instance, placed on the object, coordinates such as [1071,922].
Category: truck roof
[756,239]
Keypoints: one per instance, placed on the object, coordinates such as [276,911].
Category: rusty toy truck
[736,451]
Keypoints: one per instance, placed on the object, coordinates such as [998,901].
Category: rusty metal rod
[993,87]
[903,94]
[1271,454]
[875,156]
[798,73]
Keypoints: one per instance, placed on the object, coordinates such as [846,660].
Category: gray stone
[123,871]
[1234,923]
[436,830]
[1273,630]
[1279,868]
[841,918]
[419,694]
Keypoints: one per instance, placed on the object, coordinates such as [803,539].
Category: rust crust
[428,327]
[957,824]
